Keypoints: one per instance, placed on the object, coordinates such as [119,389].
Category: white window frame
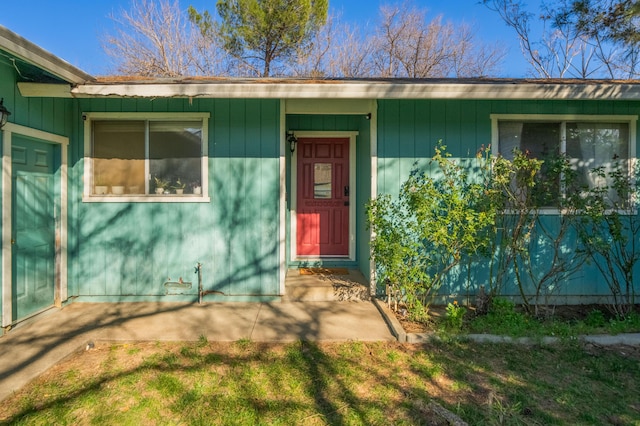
[562,119]
[89,117]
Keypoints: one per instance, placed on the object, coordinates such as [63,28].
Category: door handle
[346,191]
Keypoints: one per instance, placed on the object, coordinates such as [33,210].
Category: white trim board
[371,89]
[61,284]
[282,245]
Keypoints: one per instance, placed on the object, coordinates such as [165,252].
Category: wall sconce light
[4,114]
[291,138]
[368,116]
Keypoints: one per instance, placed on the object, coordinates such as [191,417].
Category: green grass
[353,383]
[504,319]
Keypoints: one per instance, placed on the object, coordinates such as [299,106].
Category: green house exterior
[242,228]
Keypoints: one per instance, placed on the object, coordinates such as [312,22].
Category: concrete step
[325,287]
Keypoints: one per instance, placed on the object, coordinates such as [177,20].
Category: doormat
[324,271]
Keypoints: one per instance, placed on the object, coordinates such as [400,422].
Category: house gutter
[365,90]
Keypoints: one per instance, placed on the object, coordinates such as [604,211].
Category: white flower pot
[117,190]
[101,189]
[179,191]
[159,191]
[197,190]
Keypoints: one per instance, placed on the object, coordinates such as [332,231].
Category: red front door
[323,197]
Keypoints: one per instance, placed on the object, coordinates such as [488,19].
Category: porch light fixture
[291,138]
[4,114]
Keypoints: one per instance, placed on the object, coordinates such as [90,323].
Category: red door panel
[323,197]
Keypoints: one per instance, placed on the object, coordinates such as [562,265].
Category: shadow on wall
[132,249]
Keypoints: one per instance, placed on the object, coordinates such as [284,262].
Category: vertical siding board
[254,119]
[605,108]
[60,112]
[406,139]
[236,207]
[270,193]
[237,134]
[48,114]
[589,107]
[452,128]
[252,195]
[345,122]
[115,105]
[621,108]
[21,111]
[391,152]
[483,122]
[468,128]
[423,145]
[438,120]
[317,122]
[35,118]
[329,122]
[160,105]
[221,172]
[133,105]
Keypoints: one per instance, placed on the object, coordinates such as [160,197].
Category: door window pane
[322,180]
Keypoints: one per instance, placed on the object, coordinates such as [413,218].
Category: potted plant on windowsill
[196,187]
[117,189]
[101,187]
[179,187]
[162,185]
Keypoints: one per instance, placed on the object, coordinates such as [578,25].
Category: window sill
[189,198]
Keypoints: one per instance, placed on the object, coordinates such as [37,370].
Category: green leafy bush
[455,316]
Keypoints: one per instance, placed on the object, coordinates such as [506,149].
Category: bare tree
[407,45]
[565,47]
[351,57]
[159,39]
[473,59]
[338,50]
[311,59]
[155,39]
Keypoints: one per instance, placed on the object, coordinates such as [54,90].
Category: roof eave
[365,90]
[33,54]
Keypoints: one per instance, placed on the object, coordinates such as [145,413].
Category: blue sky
[72,29]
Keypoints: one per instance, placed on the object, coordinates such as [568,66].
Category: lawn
[351,383]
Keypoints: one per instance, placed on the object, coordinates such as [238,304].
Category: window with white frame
[145,155]
[589,142]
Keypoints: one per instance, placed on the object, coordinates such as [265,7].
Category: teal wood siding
[363,171]
[408,131]
[46,114]
[127,251]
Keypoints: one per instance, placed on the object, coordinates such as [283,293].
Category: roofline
[35,55]
[345,89]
